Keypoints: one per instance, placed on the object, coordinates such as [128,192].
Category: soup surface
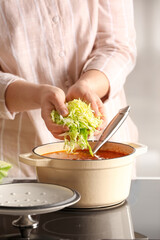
[84,155]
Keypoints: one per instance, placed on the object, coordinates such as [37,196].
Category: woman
[53,51]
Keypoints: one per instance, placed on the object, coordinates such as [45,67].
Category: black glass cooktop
[137,218]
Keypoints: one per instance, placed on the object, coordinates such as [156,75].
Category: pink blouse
[54,42]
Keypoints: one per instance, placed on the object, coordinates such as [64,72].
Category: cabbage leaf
[81,122]
[4,168]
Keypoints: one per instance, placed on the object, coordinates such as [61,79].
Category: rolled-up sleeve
[5,80]
[114,51]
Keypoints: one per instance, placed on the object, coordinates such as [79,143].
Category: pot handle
[140,148]
[32,160]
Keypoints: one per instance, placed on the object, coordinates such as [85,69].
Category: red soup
[84,155]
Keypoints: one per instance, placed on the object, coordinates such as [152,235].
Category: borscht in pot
[102,181]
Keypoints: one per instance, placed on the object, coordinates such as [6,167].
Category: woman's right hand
[53,98]
[22,96]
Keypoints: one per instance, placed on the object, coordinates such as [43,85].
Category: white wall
[143,85]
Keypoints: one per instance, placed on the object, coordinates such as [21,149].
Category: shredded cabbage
[4,168]
[81,122]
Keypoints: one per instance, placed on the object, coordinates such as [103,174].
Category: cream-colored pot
[99,182]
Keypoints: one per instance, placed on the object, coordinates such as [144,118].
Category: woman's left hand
[81,90]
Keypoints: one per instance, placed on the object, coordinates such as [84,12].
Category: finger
[94,107]
[58,136]
[101,109]
[59,103]
[61,109]
[98,108]
[58,129]
[52,127]
[61,136]
[92,100]
[46,115]
[103,124]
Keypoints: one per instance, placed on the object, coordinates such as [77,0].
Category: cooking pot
[99,182]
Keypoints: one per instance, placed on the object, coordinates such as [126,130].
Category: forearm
[114,51]
[21,96]
[96,81]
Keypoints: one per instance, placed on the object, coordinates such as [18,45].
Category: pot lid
[35,198]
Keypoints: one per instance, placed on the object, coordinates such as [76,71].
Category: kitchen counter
[144,201]
[137,218]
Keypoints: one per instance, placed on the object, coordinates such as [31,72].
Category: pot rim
[118,143]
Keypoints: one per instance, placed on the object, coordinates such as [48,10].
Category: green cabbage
[81,122]
[4,168]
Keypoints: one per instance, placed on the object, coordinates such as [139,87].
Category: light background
[143,85]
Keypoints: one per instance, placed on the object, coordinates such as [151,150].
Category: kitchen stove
[136,218]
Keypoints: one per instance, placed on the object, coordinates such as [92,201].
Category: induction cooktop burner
[114,222]
[18,237]
[95,209]
[45,237]
[75,224]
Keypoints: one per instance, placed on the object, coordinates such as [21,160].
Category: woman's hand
[22,96]
[53,98]
[81,90]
